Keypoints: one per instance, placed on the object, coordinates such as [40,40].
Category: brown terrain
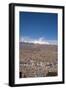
[38,60]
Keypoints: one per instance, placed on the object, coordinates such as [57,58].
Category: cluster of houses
[33,68]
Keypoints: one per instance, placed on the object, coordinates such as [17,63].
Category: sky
[38,27]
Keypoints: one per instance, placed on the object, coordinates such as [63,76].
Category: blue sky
[38,26]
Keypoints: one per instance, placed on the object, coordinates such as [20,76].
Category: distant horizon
[38,41]
[40,28]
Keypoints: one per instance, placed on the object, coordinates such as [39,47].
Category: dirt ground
[38,60]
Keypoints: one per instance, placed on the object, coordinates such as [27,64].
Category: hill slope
[38,60]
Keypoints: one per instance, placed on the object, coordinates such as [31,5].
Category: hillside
[38,60]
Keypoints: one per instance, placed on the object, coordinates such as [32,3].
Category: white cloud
[40,40]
